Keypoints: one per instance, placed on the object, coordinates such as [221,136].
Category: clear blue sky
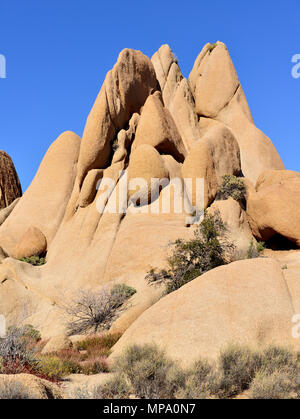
[58,53]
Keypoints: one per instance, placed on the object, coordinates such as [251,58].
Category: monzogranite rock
[10,187]
[148,121]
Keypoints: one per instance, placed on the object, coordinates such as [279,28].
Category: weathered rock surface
[233,303]
[10,187]
[275,207]
[157,128]
[215,155]
[219,96]
[32,243]
[57,343]
[123,93]
[33,387]
[149,121]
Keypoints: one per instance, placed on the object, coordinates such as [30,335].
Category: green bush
[193,258]
[115,388]
[238,366]
[34,260]
[254,251]
[123,291]
[147,369]
[56,368]
[277,385]
[233,187]
[100,344]
[202,382]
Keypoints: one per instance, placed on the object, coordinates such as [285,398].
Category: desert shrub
[192,258]
[202,382]
[232,186]
[56,368]
[99,345]
[115,388]
[277,385]
[122,291]
[96,310]
[94,366]
[34,260]
[238,366]
[13,390]
[275,358]
[147,370]
[28,331]
[255,250]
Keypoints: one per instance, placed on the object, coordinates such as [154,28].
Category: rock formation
[10,187]
[149,122]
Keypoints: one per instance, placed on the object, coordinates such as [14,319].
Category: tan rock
[215,155]
[246,302]
[272,177]
[57,343]
[157,128]
[275,209]
[89,187]
[33,243]
[236,221]
[5,212]
[219,95]
[214,81]
[125,89]
[34,387]
[146,164]
[10,187]
[44,202]
[162,61]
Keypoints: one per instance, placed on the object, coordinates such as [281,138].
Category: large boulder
[10,187]
[274,208]
[33,243]
[215,155]
[219,96]
[124,92]
[146,164]
[44,202]
[157,128]
[28,386]
[246,302]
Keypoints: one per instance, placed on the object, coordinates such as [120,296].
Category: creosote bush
[192,258]
[91,311]
[34,260]
[232,186]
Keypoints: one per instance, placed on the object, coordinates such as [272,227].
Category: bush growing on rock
[232,186]
[190,259]
[96,310]
[34,260]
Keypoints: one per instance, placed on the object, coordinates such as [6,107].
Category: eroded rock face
[149,121]
[10,187]
[214,155]
[219,96]
[274,208]
[124,92]
[233,303]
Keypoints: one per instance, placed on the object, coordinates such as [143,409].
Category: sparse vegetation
[55,368]
[34,260]
[13,390]
[96,310]
[233,187]
[146,372]
[192,258]
[255,250]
